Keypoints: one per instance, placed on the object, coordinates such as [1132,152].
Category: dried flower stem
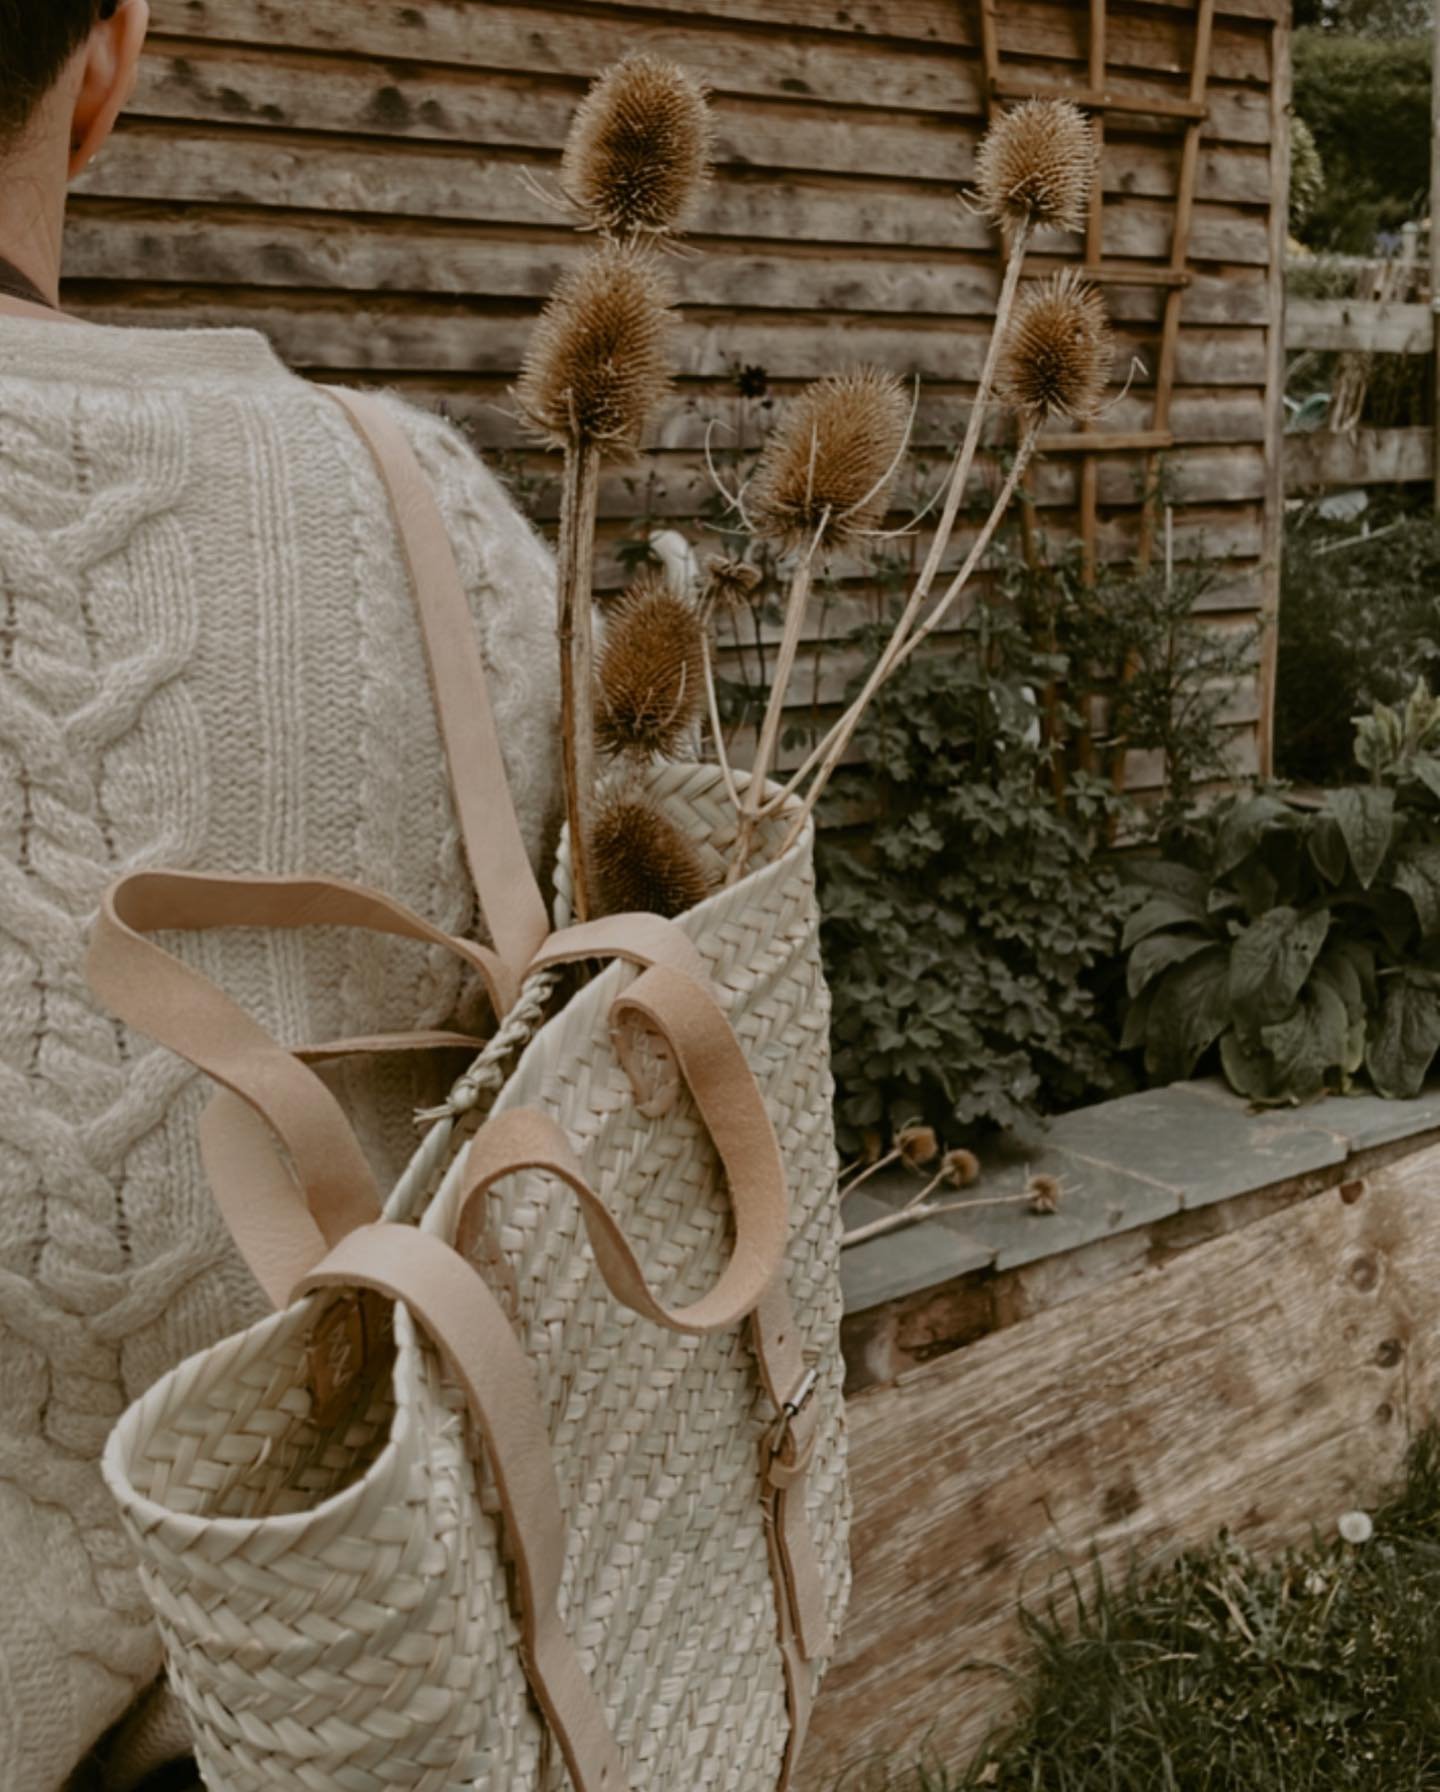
[826,755]
[917,1209]
[831,750]
[574,566]
[754,806]
[722,751]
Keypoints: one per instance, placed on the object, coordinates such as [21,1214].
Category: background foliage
[1375,178]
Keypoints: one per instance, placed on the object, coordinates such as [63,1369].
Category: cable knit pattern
[208,659]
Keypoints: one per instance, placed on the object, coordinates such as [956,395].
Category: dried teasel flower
[1058,351]
[1036,165]
[643,862]
[827,469]
[598,361]
[1044,1193]
[639,150]
[917,1145]
[651,678]
[730,584]
[960,1168]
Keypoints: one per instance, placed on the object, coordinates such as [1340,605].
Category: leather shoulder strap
[510,898]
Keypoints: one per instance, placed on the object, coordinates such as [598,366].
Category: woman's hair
[37,39]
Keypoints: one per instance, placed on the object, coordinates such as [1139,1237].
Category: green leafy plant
[1359,621]
[962,947]
[1301,943]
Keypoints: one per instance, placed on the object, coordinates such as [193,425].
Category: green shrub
[1367,104]
[1304,944]
[1359,620]
[961,949]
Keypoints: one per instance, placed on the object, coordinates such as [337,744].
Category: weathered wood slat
[317,331]
[495,36]
[1369,457]
[316,251]
[237,165]
[1264,1382]
[1332,324]
[199,81]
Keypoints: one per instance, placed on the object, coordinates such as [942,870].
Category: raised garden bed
[1227,1325]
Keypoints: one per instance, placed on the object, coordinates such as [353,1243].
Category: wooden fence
[1365,456]
[346,175]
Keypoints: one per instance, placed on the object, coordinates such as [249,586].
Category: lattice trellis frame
[1163,112]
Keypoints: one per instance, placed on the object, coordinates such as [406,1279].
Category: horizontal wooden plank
[907,72]
[679,486]
[314,250]
[1241,1384]
[195,80]
[1332,324]
[214,164]
[1368,457]
[312,331]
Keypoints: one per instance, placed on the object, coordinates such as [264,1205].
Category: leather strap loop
[460,1313]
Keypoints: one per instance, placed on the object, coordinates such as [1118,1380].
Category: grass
[1222,1673]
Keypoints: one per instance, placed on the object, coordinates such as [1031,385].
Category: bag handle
[509,896]
[157,992]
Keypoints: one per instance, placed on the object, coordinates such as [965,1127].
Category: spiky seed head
[731,584]
[599,357]
[639,150]
[917,1145]
[827,469]
[1036,165]
[652,671]
[1044,1192]
[960,1168]
[643,863]
[1058,351]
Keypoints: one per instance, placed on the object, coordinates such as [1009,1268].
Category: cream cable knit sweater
[208,659]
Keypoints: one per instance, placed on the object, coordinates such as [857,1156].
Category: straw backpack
[536,1475]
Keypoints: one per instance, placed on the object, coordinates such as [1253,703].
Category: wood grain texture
[1264,1382]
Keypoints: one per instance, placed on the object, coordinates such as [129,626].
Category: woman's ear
[111,64]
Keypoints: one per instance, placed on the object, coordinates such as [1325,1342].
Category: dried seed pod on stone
[639,151]
[651,678]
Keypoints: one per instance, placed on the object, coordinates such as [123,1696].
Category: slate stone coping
[1123,1164]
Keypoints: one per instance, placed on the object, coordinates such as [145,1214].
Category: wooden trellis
[1162,112]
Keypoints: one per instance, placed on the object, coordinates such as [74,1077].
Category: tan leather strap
[157,992]
[460,1313]
[509,896]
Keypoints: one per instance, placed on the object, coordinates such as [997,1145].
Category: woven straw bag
[548,1486]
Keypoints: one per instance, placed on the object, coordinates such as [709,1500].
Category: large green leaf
[1424,768]
[1270,961]
[1158,953]
[1327,847]
[1308,1044]
[1244,826]
[1408,1035]
[1160,912]
[1366,817]
[1188,1012]
[1417,873]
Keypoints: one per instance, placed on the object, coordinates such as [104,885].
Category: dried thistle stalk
[639,150]
[1058,352]
[825,474]
[1036,165]
[599,357]
[643,862]
[651,678]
